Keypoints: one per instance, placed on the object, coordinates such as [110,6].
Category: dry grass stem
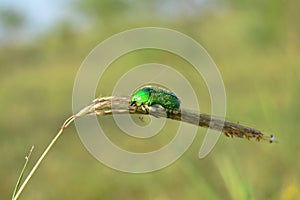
[120,105]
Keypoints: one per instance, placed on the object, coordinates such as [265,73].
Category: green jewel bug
[150,95]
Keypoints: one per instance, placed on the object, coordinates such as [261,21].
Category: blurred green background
[254,43]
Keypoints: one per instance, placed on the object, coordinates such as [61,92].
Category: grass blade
[22,172]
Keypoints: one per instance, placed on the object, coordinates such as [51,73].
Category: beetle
[150,95]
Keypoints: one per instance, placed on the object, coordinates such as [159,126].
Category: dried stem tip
[120,105]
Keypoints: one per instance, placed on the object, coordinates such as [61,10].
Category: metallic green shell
[150,95]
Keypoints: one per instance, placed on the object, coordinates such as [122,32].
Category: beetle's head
[140,97]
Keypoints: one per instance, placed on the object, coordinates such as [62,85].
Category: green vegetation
[256,46]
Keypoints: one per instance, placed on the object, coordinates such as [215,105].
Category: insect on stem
[168,107]
[121,105]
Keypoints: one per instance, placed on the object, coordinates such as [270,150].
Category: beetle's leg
[156,109]
[145,108]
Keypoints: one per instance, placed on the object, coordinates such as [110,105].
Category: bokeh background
[254,43]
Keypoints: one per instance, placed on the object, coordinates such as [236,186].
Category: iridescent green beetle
[151,95]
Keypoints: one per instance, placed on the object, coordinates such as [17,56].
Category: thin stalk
[66,123]
[22,172]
